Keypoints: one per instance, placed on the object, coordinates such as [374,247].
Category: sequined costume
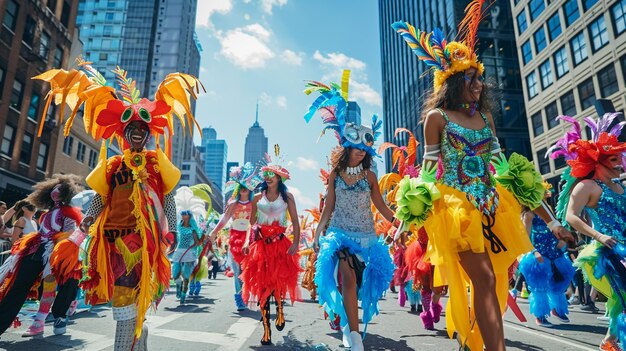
[473,213]
[184,258]
[547,281]
[352,227]
[29,263]
[601,266]
[268,270]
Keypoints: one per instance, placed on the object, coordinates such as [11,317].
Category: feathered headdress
[443,57]
[584,156]
[189,204]
[106,111]
[245,176]
[271,167]
[332,105]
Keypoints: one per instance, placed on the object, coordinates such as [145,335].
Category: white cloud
[364,92]
[291,57]
[207,7]
[202,69]
[246,47]
[339,60]
[268,4]
[246,17]
[302,201]
[306,164]
[265,99]
[281,101]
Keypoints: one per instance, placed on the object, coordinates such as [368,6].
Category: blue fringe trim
[546,292]
[376,277]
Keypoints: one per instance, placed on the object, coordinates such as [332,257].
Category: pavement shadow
[188,308]
[518,345]
[48,343]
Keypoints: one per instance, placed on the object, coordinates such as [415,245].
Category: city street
[209,322]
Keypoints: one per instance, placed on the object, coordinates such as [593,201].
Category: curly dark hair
[450,95]
[70,186]
[340,156]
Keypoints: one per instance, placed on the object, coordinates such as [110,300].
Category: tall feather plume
[276,150]
[345,83]
[128,86]
[468,28]
[421,44]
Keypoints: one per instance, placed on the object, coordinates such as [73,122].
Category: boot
[267,332]
[280,316]
[124,335]
[241,306]
[183,296]
[427,315]
[142,343]
[179,290]
[357,341]
[347,342]
[436,309]
[198,286]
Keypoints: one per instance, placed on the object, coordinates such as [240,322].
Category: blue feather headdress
[332,105]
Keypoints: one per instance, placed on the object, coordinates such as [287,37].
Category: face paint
[137,134]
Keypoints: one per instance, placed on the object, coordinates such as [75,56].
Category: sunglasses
[269,174]
[480,78]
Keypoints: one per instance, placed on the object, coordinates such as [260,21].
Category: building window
[560,62]
[559,163]
[17,93]
[7,140]
[587,4]
[80,152]
[546,74]
[58,57]
[107,31]
[554,26]
[598,33]
[543,162]
[607,80]
[623,63]
[65,14]
[109,16]
[29,31]
[531,83]
[586,93]
[33,107]
[93,159]
[52,5]
[521,22]
[42,157]
[570,8]
[27,147]
[67,145]
[618,14]
[44,45]
[184,177]
[104,56]
[10,17]
[536,8]
[552,112]
[540,40]
[527,52]
[537,124]
[186,167]
[579,48]
[568,105]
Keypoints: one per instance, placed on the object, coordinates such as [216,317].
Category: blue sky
[265,50]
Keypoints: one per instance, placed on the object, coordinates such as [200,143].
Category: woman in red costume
[272,265]
[243,182]
[31,256]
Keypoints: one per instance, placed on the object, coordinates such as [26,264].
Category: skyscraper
[214,153]
[405,84]
[149,39]
[573,52]
[256,142]
[353,113]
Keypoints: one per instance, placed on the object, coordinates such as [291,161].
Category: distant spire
[256,121]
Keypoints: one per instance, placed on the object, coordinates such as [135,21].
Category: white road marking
[549,337]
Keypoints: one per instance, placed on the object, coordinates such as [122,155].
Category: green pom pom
[523,180]
[415,200]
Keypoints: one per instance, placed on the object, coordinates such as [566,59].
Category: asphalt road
[210,322]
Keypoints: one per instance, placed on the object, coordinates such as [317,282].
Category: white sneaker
[346,336]
[357,342]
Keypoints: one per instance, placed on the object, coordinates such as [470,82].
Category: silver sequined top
[353,211]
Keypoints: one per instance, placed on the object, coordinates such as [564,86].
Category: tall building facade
[34,36]
[256,142]
[406,81]
[192,173]
[149,39]
[214,152]
[353,113]
[573,52]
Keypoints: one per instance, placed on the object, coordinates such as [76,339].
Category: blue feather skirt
[547,283]
[376,276]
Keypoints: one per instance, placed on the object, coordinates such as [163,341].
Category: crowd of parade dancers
[458,224]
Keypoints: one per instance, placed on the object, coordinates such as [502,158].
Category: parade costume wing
[204,192]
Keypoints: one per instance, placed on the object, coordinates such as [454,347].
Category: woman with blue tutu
[547,270]
[351,246]
[592,186]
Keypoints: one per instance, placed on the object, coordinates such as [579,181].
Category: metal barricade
[5,246]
